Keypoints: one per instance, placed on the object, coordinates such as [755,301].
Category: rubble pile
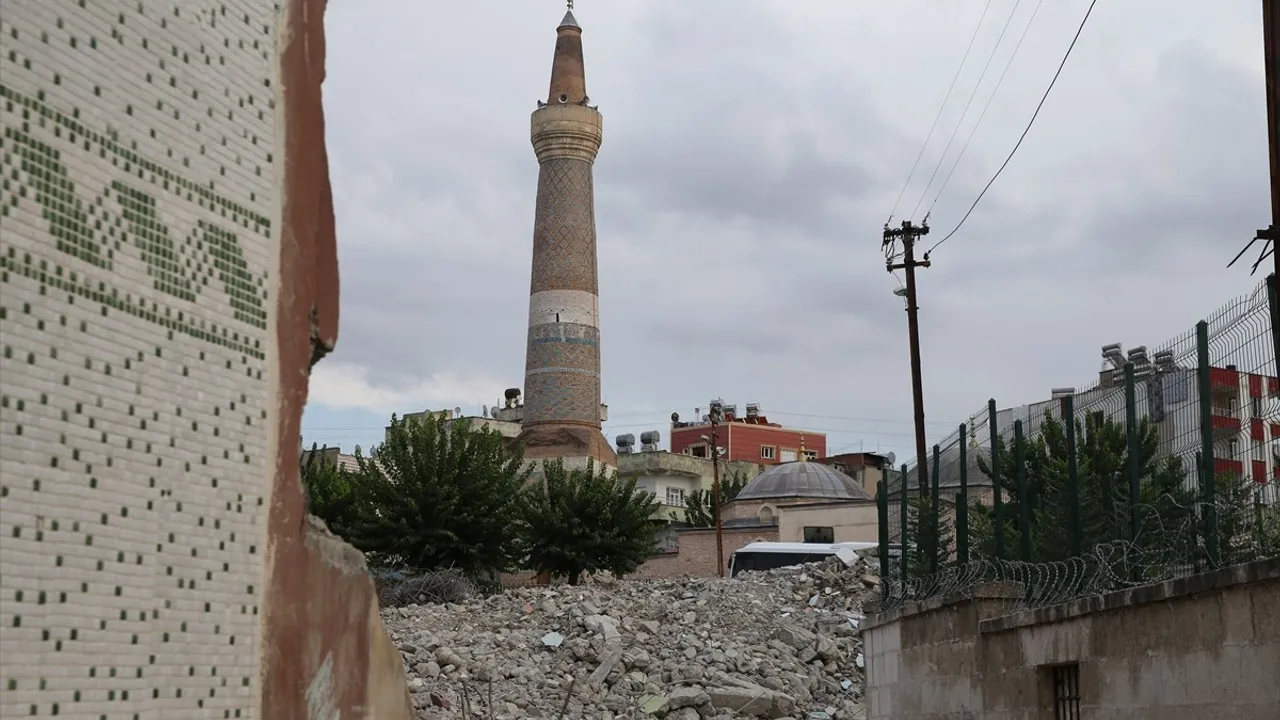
[774,644]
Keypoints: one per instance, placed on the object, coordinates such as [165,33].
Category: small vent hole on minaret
[557,317]
[564,98]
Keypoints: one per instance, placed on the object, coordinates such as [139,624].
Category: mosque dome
[803,480]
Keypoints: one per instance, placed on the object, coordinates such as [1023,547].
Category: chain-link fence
[1166,464]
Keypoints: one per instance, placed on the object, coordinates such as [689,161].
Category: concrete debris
[754,646]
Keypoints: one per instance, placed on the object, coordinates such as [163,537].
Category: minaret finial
[802,455]
[570,2]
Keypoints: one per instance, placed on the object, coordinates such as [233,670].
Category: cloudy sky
[753,151]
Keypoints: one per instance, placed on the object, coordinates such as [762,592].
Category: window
[767,452]
[787,455]
[699,451]
[819,535]
[1066,692]
[810,454]
[675,496]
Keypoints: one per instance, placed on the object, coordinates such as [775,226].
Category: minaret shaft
[562,361]
[562,366]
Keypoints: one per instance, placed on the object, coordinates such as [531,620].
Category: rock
[604,626]
[616,703]
[757,701]
[794,636]
[685,697]
[653,704]
[612,656]
[696,648]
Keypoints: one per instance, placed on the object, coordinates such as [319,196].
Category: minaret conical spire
[568,73]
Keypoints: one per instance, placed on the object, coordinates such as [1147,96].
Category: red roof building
[748,437]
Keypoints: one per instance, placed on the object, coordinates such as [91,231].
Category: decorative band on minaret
[562,364]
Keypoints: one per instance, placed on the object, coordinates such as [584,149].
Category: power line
[985,108]
[967,105]
[1024,132]
[941,107]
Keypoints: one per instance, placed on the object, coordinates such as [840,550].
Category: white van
[770,555]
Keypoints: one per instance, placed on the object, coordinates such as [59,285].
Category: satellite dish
[457,412]
[890,459]
[484,411]
[675,417]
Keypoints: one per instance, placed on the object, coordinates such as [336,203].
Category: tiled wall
[136,253]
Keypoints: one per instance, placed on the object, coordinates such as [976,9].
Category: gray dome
[803,479]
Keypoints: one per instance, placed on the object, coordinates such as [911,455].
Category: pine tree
[933,541]
[331,492]
[440,496]
[577,522]
[1165,504]
[699,511]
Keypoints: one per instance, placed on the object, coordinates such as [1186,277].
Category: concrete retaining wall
[1198,647]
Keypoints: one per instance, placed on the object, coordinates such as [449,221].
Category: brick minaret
[562,362]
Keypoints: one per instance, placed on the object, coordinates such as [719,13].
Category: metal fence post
[1209,495]
[1273,298]
[962,501]
[935,517]
[997,500]
[1196,514]
[1073,477]
[1133,466]
[882,516]
[902,518]
[1024,491]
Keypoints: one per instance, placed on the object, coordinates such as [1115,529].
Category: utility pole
[1270,236]
[909,234]
[714,415]
[1271,48]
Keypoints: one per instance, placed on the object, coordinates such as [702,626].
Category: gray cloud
[752,152]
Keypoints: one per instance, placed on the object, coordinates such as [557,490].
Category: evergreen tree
[1165,505]
[931,538]
[577,522]
[700,511]
[331,492]
[440,496]
[1240,534]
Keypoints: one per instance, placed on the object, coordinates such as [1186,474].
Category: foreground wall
[1207,646]
[167,276]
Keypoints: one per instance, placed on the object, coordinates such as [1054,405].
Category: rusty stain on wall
[325,652]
